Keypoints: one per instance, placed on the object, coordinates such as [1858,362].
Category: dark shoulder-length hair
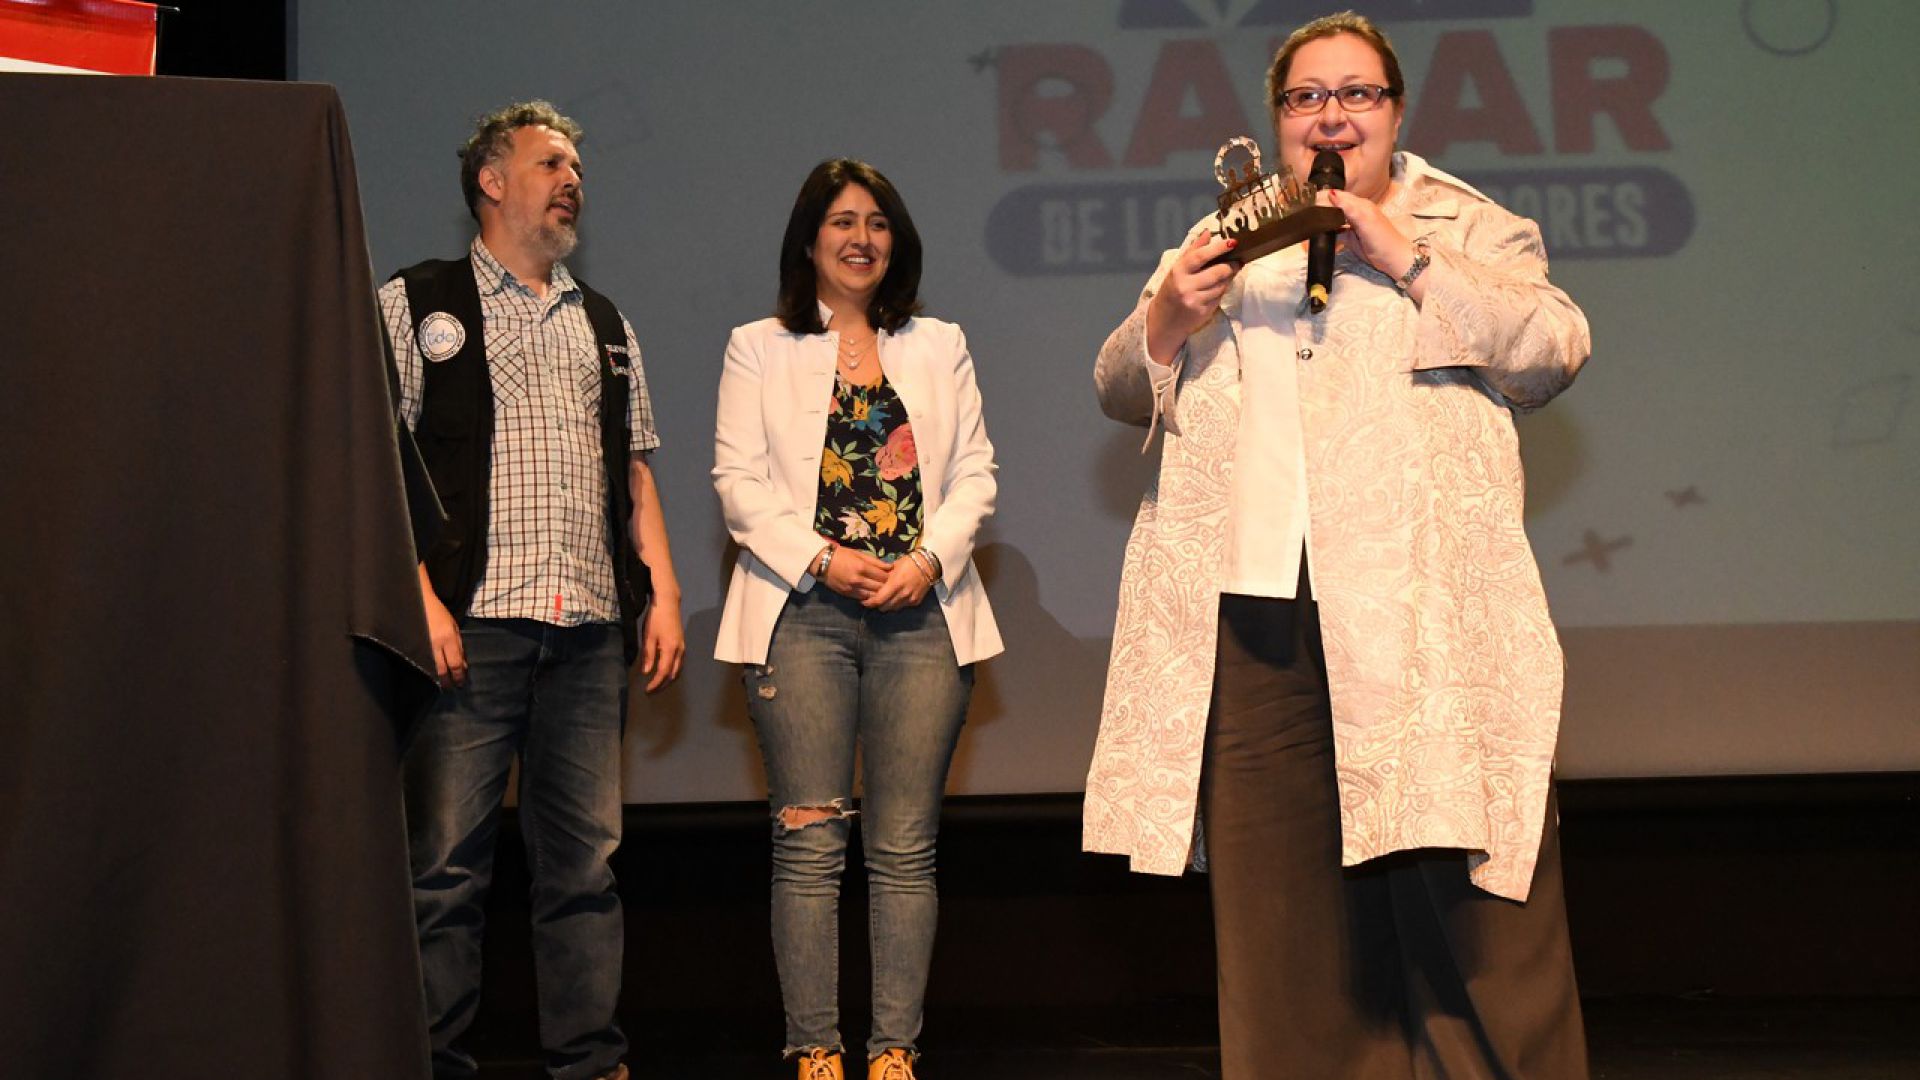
[896,300]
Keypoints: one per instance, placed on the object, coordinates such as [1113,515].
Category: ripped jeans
[838,674]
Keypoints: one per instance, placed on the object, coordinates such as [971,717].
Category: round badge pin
[440,336]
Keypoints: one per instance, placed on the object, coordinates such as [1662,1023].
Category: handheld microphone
[1328,172]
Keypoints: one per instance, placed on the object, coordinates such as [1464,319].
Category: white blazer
[768,434]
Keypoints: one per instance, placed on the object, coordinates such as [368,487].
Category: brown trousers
[1396,968]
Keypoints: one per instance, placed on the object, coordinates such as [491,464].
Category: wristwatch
[1420,261]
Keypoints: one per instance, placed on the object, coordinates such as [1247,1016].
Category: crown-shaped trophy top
[1263,211]
[1250,197]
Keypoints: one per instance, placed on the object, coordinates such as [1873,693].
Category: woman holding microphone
[1334,679]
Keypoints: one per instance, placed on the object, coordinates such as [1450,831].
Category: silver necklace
[856,356]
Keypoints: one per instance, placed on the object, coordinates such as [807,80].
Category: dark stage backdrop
[209,623]
[1725,506]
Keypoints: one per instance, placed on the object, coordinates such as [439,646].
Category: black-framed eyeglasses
[1353,97]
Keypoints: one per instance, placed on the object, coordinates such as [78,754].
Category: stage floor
[1630,1039]
[1796,904]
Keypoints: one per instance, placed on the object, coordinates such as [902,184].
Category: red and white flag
[102,37]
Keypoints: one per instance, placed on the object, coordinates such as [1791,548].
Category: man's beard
[555,242]
[541,235]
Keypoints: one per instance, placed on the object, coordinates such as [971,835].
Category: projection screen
[1726,506]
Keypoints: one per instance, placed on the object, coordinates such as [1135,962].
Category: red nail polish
[1232,243]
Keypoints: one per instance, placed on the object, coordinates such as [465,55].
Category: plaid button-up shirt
[548,539]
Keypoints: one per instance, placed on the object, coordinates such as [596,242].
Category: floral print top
[869,472]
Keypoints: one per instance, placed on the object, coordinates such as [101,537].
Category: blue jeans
[556,697]
[838,674]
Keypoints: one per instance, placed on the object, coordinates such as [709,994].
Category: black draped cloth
[210,626]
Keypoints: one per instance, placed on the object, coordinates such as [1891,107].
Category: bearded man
[524,390]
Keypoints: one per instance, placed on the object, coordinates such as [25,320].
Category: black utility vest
[455,436]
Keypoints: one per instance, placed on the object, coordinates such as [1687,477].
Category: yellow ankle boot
[895,1064]
[820,1065]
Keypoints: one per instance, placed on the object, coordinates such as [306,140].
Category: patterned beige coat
[1444,669]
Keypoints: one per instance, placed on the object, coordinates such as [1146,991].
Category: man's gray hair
[493,137]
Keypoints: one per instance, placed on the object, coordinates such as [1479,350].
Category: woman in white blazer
[854,470]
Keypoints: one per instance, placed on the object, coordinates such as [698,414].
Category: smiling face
[1364,140]
[851,250]
[536,194]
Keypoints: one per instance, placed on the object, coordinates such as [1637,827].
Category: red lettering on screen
[1053,95]
[1579,94]
[1164,126]
[1463,58]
